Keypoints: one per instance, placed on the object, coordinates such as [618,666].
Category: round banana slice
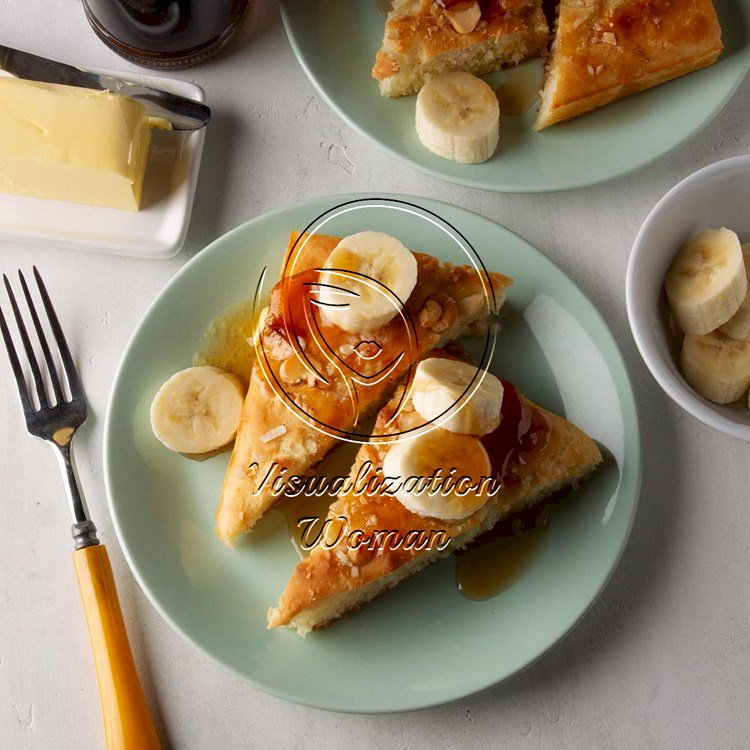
[458,118]
[718,367]
[197,410]
[421,468]
[738,326]
[440,394]
[371,275]
[706,282]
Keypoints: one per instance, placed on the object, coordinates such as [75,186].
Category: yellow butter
[72,144]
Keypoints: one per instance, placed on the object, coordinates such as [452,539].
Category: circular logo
[333,379]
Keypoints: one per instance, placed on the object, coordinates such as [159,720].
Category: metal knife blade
[183,113]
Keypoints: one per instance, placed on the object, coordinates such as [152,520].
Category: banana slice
[458,118]
[444,388]
[197,410]
[706,282]
[738,326]
[421,467]
[718,367]
[379,274]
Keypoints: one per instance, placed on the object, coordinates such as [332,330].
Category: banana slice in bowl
[706,283]
[717,366]
[738,326]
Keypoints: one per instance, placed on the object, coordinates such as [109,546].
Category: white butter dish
[156,231]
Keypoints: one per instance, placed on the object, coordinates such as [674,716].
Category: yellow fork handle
[127,724]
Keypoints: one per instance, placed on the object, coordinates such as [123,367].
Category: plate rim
[636,469]
[558,187]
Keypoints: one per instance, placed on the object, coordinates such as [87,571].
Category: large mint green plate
[421,643]
[336,41]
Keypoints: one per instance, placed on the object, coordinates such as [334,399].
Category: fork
[127,723]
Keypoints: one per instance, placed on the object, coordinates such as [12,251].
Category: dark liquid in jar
[166,33]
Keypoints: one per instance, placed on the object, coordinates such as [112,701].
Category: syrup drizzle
[521,430]
[496,560]
[302,534]
[227,343]
[384,7]
[520,89]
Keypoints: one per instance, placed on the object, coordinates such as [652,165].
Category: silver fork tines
[55,423]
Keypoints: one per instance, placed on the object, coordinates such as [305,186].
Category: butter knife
[183,113]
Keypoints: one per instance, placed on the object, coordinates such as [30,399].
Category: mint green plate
[421,643]
[336,41]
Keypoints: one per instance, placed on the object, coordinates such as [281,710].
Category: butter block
[72,144]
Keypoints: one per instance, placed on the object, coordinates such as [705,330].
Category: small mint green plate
[335,41]
[422,643]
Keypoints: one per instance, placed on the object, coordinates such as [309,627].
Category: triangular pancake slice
[535,452]
[422,41]
[291,418]
[605,50]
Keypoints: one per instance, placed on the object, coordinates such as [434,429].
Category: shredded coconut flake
[276,432]
[343,559]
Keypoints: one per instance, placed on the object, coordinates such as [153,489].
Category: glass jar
[166,33]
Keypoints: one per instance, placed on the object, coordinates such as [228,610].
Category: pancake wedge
[545,456]
[424,38]
[605,50]
[310,390]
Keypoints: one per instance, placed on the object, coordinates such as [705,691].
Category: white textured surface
[661,661]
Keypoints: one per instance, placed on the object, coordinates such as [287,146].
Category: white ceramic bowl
[715,196]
